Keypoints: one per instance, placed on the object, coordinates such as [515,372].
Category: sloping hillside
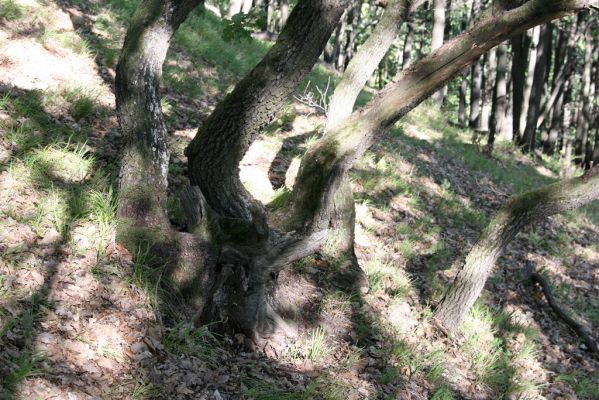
[81,317]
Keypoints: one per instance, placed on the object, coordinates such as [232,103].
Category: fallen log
[580,330]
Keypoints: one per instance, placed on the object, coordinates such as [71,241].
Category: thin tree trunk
[284,12]
[476,78]
[437,39]
[476,95]
[339,41]
[499,108]
[582,124]
[246,6]
[408,44]
[489,78]
[537,88]
[364,63]
[532,63]
[234,8]
[520,44]
[519,212]
[556,124]
[350,46]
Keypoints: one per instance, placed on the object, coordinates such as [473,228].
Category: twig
[319,102]
[575,325]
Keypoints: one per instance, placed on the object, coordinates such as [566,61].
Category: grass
[281,197]
[318,350]
[11,10]
[185,339]
[493,363]
[585,385]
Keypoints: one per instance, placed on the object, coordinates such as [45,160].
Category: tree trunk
[582,124]
[246,6]
[339,58]
[588,160]
[476,78]
[270,16]
[437,40]
[214,154]
[499,107]
[144,170]
[284,12]
[364,63]
[520,44]
[562,69]
[251,253]
[532,63]
[556,124]
[234,8]
[519,212]
[489,77]
[463,91]
[408,44]
[537,88]
[476,95]
[350,46]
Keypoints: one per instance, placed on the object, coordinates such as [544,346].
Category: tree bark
[582,124]
[537,88]
[499,108]
[234,8]
[532,63]
[364,63]
[408,44]
[519,212]
[520,44]
[437,39]
[476,78]
[214,154]
[144,170]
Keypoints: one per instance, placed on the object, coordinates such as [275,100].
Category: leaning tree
[230,259]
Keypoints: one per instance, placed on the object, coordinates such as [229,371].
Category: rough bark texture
[215,152]
[143,175]
[363,64]
[520,211]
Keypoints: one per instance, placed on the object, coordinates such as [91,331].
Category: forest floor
[81,317]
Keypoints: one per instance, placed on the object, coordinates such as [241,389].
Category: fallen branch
[536,277]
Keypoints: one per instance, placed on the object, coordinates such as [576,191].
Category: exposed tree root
[536,277]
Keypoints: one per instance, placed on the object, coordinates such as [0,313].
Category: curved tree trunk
[144,170]
[363,64]
[324,166]
[221,142]
[519,212]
